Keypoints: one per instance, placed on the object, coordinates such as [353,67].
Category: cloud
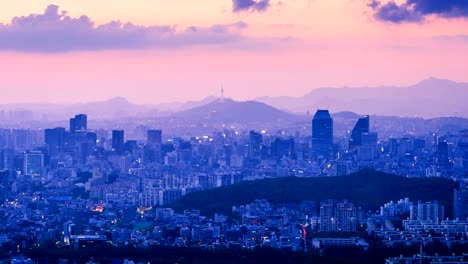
[55,31]
[250,5]
[418,10]
[463,38]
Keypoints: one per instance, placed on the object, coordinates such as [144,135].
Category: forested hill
[368,189]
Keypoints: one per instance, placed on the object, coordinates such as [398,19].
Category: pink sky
[287,49]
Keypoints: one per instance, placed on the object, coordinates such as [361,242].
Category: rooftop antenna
[222,92]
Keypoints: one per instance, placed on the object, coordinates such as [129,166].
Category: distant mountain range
[114,108]
[429,98]
[394,110]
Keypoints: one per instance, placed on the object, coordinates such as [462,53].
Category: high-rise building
[55,138]
[362,126]
[460,201]
[33,163]
[327,216]
[427,211]
[118,140]
[443,154]
[405,147]
[255,144]
[337,217]
[282,147]
[79,123]
[322,134]
[72,125]
[154,137]
[7,160]
[367,147]
[346,217]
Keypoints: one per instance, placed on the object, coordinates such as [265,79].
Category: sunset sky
[153,51]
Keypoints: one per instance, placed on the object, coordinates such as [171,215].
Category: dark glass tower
[55,138]
[362,126]
[255,145]
[460,203]
[154,137]
[79,123]
[118,140]
[322,134]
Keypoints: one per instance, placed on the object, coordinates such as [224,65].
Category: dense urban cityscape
[77,187]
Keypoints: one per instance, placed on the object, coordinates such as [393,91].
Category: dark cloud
[250,5]
[417,10]
[55,31]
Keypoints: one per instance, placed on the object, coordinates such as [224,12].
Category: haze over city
[163,51]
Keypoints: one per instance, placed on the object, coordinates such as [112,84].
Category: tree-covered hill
[368,189]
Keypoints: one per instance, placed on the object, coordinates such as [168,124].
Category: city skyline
[158,52]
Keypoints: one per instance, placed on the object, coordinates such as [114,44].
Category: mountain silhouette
[230,111]
[428,98]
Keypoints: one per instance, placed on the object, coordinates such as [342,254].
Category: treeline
[369,189]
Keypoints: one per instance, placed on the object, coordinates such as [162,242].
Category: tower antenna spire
[222,92]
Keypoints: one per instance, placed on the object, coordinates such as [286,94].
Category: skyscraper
[7,160]
[282,147]
[443,154]
[322,134]
[55,138]
[33,163]
[362,126]
[367,147]
[118,140]
[460,201]
[72,125]
[154,137]
[79,123]
[345,214]
[327,216]
[255,144]
[337,217]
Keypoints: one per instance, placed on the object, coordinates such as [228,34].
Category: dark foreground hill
[368,189]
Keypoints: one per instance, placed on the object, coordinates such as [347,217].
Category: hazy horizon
[216,93]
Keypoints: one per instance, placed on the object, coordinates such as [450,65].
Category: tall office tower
[322,134]
[367,150]
[7,159]
[460,201]
[362,126]
[443,154]
[154,138]
[327,216]
[4,179]
[55,138]
[282,147]
[118,140]
[33,163]
[345,214]
[79,123]
[184,151]
[255,145]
